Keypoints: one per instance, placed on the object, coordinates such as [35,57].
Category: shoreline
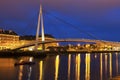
[41,54]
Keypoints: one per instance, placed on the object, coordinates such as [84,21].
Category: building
[8,39]
[24,40]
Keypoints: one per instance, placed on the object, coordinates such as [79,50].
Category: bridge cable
[73,26]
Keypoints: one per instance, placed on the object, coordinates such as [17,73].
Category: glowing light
[95,56]
[41,70]
[57,44]
[106,65]
[117,63]
[101,66]
[78,44]
[31,59]
[29,73]
[20,72]
[39,48]
[78,67]
[69,65]
[30,49]
[56,67]
[87,74]
[110,55]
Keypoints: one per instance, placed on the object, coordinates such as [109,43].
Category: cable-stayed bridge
[98,42]
[37,42]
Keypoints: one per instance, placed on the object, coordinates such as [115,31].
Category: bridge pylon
[40,24]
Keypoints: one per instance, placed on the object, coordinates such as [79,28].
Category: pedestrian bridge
[71,40]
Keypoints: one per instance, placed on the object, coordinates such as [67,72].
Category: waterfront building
[8,39]
[24,40]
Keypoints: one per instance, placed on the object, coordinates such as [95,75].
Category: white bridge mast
[40,23]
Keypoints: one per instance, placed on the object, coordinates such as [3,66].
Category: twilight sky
[63,18]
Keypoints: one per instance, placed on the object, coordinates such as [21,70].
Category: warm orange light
[87,72]
[69,65]
[77,67]
[106,57]
[56,67]
[101,66]
[110,56]
[41,70]
[20,72]
[117,63]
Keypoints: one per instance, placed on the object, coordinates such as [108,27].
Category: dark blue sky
[63,18]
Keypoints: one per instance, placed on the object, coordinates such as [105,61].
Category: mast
[40,23]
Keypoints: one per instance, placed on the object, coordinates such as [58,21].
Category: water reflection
[110,57]
[77,76]
[41,70]
[25,69]
[101,66]
[56,67]
[63,67]
[117,63]
[29,72]
[106,57]
[20,73]
[87,69]
[69,66]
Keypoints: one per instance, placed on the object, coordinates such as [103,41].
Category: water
[63,67]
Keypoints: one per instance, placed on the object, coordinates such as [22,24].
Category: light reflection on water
[20,72]
[116,63]
[87,69]
[101,68]
[77,75]
[56,67]
[41,70]
[110,55]
[106,57]
[69,66]
[63,67]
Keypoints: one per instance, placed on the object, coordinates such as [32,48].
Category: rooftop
[10,32]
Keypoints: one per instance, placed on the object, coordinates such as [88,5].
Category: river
[85,66]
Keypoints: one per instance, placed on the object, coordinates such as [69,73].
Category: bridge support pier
[43,47]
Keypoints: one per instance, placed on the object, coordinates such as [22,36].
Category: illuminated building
[8,39]
[31,39]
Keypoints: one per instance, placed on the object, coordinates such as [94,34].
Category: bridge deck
[69,40]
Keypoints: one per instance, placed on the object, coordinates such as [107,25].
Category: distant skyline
[101,18]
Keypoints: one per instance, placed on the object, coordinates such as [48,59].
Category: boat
[24,63]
